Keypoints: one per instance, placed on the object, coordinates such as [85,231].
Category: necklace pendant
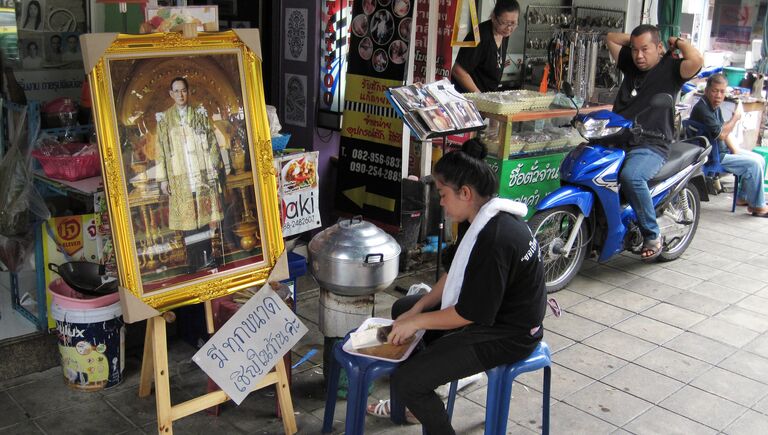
[633,93]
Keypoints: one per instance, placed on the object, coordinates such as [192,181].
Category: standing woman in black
[478,69]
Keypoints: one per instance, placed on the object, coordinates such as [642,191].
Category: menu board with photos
[434,108]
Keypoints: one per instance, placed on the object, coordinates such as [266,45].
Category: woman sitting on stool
[488,310]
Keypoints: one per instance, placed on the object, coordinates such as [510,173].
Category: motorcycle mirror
[662,101]
[568,89]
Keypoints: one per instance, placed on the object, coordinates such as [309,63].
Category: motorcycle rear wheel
[691,194]
[552,228]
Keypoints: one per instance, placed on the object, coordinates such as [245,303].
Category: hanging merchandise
[571,41]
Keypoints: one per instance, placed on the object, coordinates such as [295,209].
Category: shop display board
[297,183]
[370,152]
[187,162]
[528,179]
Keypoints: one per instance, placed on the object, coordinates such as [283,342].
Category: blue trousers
[640,165]
[751,168]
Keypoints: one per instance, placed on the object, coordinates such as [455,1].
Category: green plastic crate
[763,151]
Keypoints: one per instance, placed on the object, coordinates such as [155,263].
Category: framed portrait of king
[187,162]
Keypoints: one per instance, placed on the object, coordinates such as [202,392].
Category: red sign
[446,12]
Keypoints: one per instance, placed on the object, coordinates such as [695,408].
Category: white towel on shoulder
[455,278]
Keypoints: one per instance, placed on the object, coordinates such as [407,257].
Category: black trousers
[446,358]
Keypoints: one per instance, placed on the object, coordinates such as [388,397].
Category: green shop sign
[528,179]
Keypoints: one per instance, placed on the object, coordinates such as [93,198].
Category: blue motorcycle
[588,214]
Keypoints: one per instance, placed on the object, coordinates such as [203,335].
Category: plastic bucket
[734,75]
[92,346]
[67,297]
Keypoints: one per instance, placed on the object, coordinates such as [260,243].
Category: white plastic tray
[383,322]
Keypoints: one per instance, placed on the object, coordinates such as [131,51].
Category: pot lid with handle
[354,240]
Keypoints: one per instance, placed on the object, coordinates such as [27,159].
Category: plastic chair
[500,381]
[361,372]
[712,167]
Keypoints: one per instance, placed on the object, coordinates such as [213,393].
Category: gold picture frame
[187,163]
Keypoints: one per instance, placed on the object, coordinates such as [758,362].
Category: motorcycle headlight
[595,128]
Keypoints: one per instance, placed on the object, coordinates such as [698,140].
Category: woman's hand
[403,329]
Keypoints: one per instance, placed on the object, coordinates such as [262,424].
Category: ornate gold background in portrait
[182,238]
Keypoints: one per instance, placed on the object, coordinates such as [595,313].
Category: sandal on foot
[652,249]
[383,410]
[742,202]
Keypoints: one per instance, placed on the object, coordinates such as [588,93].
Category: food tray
[516,101]
[369,352]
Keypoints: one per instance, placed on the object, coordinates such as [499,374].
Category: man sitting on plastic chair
[748,166]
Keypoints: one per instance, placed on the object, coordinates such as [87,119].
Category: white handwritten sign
[246,348]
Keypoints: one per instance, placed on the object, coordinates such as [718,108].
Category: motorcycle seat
[681,154]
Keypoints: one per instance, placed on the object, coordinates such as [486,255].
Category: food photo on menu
[436,118]
[299,173]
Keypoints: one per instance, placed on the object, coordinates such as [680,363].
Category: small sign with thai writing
[246,348]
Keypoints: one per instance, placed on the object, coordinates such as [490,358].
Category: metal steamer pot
[354,258]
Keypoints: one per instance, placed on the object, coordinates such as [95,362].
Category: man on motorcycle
[648,71]
[746,164]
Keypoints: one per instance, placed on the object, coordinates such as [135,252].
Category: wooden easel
[155,362]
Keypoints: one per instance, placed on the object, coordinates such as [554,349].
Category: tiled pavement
[665,348]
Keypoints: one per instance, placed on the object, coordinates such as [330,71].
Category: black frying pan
[85,277]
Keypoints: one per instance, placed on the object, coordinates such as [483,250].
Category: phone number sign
[369,180]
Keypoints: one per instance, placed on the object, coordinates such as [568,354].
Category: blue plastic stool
[361,372]
[500,381]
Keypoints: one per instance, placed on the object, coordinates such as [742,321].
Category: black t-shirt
[503,292]
[663,78]
[484,63]
[712,121]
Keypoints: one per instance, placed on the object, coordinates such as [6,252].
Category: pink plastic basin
[67,297]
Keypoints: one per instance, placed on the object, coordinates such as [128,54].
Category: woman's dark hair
[467,168]
[39,14]
[30,44]
[505,6]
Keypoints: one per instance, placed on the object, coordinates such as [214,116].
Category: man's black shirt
[662,78]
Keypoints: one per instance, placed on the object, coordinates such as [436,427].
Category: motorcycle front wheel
[552,228]
[686,207]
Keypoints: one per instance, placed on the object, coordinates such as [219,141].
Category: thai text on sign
[250,344]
